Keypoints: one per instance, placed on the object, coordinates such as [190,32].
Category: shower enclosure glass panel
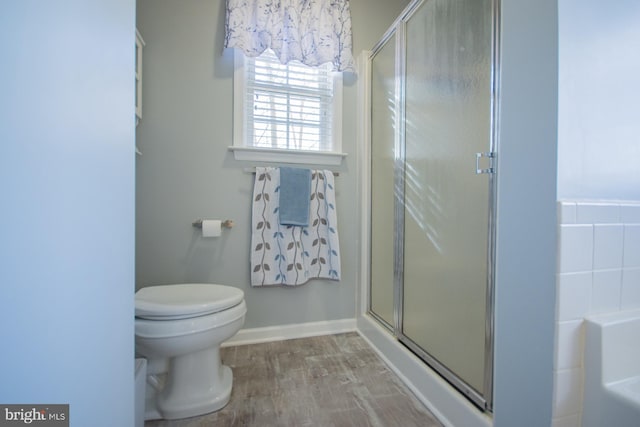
[446,203]
[383,139]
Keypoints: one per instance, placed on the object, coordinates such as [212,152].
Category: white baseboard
[287,332]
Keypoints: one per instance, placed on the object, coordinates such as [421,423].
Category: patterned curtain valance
[313,32]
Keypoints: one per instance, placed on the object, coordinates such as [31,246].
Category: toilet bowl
[179,330]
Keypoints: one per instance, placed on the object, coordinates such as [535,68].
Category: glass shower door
[448,63]
[384,107]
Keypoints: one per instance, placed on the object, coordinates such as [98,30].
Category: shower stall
[431,106]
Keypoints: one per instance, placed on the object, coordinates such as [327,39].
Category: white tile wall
[607,291]
[567,401]
[597,213]
[630,288]
[630,214]
[631,245]
[598,271]
[576,248]
[607,246]
[570,334]
[574,295]
[567,212]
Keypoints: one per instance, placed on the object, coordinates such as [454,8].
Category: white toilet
[179,330]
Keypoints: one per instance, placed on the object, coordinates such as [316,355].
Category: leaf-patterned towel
[292,255]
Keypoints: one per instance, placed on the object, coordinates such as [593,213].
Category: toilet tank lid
[185,300]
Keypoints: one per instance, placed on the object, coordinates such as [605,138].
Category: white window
[286,113]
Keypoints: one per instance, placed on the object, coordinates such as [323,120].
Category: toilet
[179,330]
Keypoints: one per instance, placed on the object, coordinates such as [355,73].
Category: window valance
[313,32]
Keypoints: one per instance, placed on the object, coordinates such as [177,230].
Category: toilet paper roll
[211,228]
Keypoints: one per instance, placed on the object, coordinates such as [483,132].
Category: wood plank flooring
[332,381]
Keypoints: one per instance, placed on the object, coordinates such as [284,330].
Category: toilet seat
[183,301]
[183,327]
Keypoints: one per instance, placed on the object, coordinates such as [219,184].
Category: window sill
[275,155]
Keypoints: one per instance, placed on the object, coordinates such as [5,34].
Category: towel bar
[253,170]
[227,223]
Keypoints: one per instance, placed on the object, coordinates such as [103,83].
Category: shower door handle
[491,169]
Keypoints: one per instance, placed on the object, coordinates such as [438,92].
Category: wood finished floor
[332,381]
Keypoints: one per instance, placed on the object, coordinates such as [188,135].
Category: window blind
[288,106]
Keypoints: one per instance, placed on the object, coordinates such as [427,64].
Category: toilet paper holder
[227,223]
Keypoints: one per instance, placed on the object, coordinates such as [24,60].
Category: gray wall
[526,222]
[186,172]
[599,120]
[67,217]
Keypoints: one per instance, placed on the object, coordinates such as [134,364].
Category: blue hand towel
[295,190]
